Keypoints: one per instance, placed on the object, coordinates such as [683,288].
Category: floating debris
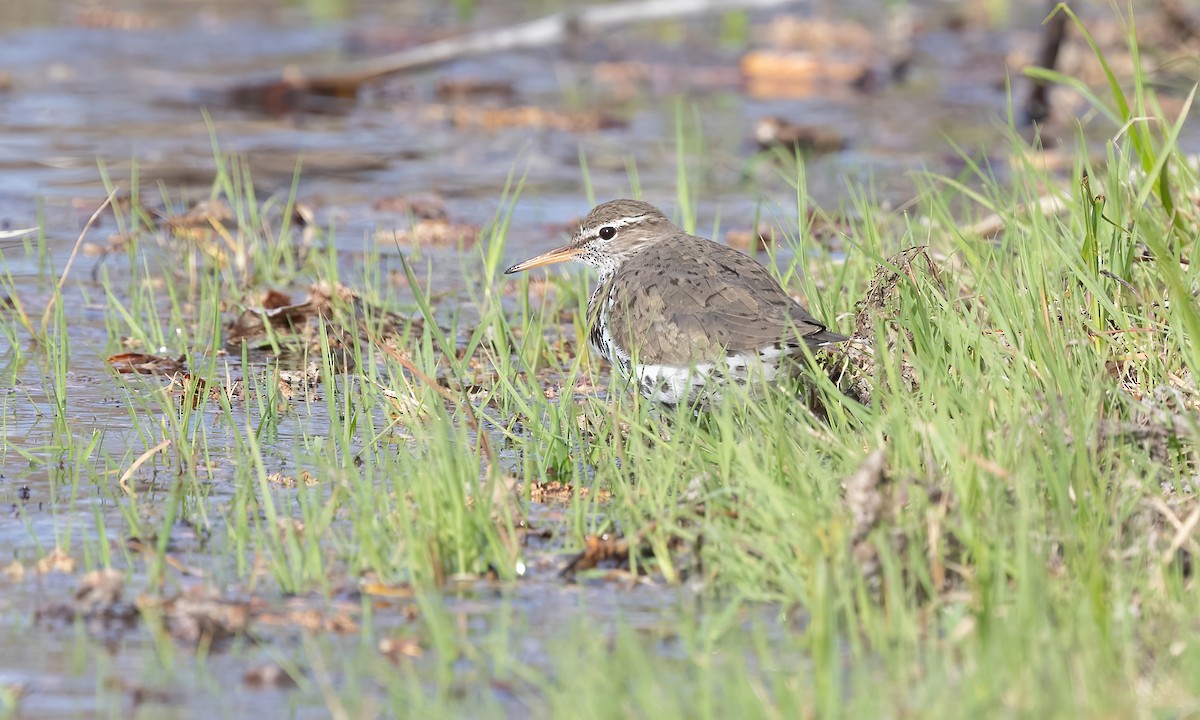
[800,74]
[430,233]
[451,90]
[397,648]
[772,132]
[201,615]
[55,561]
[493,118]
[561,493]
[145,364]
[610,550]
[422,207]
[268,676]
[99,597]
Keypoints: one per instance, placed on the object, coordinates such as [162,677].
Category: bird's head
[607,237]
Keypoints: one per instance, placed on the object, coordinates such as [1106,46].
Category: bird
[682,316]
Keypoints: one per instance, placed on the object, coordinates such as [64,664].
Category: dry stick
[484,445]
[124,481]
[9,234]
[549,30]
[62,280]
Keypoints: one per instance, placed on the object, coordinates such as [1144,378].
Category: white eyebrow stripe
[623,222]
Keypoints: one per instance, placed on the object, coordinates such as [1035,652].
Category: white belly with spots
[672,384]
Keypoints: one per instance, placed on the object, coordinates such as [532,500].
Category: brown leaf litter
[798,56]
[331,313]
[200,614]
[274,309]
[631,79]
[55,561]
[399,648]
[339,621]
[777,132]
[300,383]
[561,493]
[268,676]
[436,232]
[14,571]
[99,597]
[145,364]
[460,90]
[105,18]
[422,207]
[288,481]
[773,75]
[526,116]
[610,549]
[615,551]
[750,240]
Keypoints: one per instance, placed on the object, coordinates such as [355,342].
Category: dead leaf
[397,648]
[421,207]
[98,597]
[463,89]
[599,549]
[493,118]
[14,571]
[800,74]
[99,588]
[773,131]
[430,233]
[97,17]
[252,322]
[200,614]
[789,32]
[145,364]
[559,492]
[269,676]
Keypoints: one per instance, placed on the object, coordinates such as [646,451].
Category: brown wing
[691,300]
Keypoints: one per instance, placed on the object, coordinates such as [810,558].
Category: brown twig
[124,481]
[62,280]
[472,421]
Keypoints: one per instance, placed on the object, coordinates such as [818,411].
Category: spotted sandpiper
[681,315]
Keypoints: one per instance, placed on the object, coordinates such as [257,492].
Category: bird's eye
[608,232]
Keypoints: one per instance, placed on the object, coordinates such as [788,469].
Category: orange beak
[557,255]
